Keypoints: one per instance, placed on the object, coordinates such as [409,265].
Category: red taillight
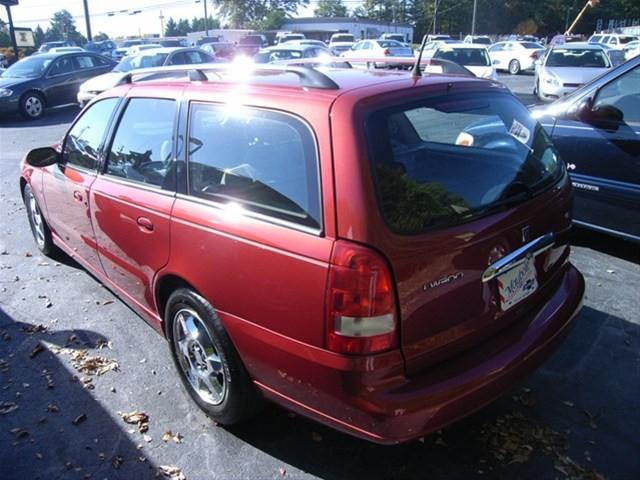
[534,55]
[386,52]
[361,304]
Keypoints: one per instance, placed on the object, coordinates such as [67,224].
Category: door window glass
[624,94]
[82,145]
[142,147]
[262,161]
[84,62]
[62,66]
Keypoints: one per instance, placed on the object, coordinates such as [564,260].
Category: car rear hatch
[474,207]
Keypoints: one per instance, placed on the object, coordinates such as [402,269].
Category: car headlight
[552,81]
[5,92]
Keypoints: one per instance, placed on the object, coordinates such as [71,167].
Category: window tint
[100,61]
[82,145]
[452,159]
[588,58]
[264,161]
[142,147]
[85,61]
[62,66]
[624,94]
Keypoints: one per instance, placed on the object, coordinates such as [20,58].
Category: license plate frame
[517,283]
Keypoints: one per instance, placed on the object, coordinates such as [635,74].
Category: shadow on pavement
[58,429]
[54,116]
[592,372]
[614,246]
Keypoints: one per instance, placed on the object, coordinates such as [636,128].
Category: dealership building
[323,28]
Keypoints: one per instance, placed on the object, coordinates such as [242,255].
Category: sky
[30,13]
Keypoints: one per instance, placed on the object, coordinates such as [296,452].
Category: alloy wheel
[198,357]
[33,106]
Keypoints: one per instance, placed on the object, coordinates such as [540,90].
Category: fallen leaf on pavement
[93,365]
[140,419]
[79,419]
[7,407]
[39,348]
[569,404]
[171,472]
[117,461]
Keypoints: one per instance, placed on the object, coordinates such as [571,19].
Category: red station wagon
[381,253]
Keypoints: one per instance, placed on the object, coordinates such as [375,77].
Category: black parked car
[597,131]
[47,80]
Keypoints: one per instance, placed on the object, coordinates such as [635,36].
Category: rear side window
[449,160]
[263,161]
[141,150]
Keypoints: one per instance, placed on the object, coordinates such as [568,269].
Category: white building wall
[361,29]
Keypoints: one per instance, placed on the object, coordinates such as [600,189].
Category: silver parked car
[377,49]
[157,57]
[567,67]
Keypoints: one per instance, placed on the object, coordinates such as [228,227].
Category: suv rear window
[448,160]
[264,161]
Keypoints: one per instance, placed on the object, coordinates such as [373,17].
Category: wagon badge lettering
[443,281]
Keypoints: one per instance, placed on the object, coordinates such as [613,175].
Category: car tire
[39,227]
[208,364]
[514,67]
[32,106]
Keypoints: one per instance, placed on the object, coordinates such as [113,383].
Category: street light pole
[206,20]
[435,16]
[12,32]
[473,20]
[87,19]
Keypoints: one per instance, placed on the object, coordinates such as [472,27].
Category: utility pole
[161,17]
[87,19]
[473,20]
[206,19]
[436,3]
[12,32]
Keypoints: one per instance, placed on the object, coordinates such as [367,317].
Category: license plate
[517,284]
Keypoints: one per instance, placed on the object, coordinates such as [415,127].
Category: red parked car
[382,254]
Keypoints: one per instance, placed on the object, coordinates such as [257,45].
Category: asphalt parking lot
[62,398]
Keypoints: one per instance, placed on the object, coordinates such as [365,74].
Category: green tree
[171,29]
[63,27]
[38,36]
[197,24]
[183,27]
[330,8]
[101,36]
[242,13]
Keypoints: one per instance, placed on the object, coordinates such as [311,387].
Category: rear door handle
[77,196]
[145,223]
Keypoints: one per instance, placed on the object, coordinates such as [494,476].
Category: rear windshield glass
[389,44]
[587,58]
[471,57]
[449,160]
[141,61]
[531,45]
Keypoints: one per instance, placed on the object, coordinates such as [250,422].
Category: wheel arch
[165,286]
[38,91]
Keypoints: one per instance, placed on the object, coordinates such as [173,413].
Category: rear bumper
[371,397]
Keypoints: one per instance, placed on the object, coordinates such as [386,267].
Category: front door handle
[145,223]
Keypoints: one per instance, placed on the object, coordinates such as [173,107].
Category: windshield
[251,41]
[31,67]
[390,44]
[276,55]
[587,58]
[471,57]
[141,61]
[452,159]
[625,40]
[343,38]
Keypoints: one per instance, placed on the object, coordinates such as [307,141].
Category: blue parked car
[596,129]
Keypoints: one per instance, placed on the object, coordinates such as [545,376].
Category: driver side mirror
[42,157]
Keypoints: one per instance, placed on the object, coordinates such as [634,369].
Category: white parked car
[430,48]
[136,49]
[566,68]
[374,49]
[515,57]
[471,56]
[615,40]
[341,42]
[631,49]
[157,57]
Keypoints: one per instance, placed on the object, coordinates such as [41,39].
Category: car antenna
[415,71]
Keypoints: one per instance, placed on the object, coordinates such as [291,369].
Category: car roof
[578,46]
[477,46]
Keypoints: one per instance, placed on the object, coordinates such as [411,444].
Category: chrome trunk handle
[519,256]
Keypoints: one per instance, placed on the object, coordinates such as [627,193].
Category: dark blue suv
[597,131]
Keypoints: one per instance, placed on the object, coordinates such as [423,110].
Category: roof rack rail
[309,77]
